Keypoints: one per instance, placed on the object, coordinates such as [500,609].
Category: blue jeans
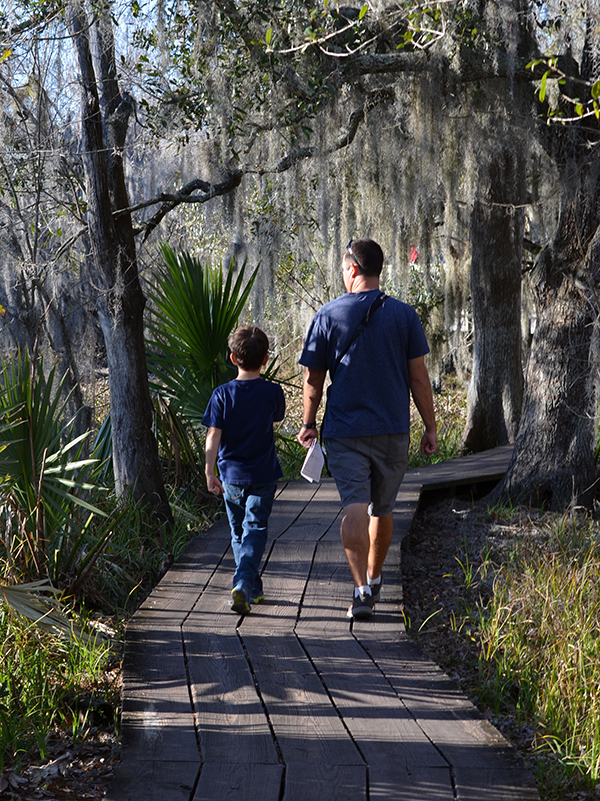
[248,509]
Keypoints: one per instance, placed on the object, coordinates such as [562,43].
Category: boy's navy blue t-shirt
[370,393]
[245,412]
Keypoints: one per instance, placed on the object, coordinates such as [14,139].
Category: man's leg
[355,539]
[380,537]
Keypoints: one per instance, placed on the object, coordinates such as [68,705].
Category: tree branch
[185,195]
[373,100]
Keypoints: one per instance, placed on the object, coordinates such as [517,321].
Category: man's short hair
[249,345]
[367,254]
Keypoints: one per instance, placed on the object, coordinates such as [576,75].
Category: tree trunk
[553,463]
[496,389]
[120,303]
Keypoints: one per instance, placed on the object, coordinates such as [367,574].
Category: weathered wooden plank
[482,784]
[284,580]
[230,719]
[289,504]
[441,710]
[328,591]
[396,782]
[238,782]
[157,721]
[465,470]
[378,721]
[153,781]
[174,596]
[319,516]
[307,726]
[319,782]
[212,609]
[393,701]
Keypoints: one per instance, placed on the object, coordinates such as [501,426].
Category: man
[373,347]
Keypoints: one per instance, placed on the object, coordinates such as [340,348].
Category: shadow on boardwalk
[295,702]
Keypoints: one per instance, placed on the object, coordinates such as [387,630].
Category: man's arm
[211,449]
[312,392]
[420,387]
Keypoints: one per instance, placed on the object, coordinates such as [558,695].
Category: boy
[240,417]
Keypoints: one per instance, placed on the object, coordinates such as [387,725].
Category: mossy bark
[120,301]
[496,389]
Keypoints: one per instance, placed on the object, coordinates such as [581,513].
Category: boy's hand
[214,485]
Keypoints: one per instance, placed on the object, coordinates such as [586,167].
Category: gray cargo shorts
[368,469]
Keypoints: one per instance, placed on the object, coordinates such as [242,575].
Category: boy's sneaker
[258,598]
[239,601]
[361,607]
[376,589]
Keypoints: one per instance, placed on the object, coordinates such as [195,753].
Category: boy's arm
[211,449]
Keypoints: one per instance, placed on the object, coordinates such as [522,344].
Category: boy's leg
[235,506]
[259,503]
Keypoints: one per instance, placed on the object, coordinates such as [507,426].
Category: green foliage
[40,675]
[195,310]
[561,105]
[290,454]
[540,651]
[46,510]
[45,671]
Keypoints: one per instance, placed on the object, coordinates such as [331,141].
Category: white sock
[373,582]
[365,590]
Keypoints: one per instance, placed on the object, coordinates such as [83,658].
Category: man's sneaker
[376,589]
[361,607]
[239,601]
[258,598]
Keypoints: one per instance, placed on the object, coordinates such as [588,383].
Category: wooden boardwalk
[295,702]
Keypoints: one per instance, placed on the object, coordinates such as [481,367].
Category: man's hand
[306,436]
[213,484]
[312,391]
[429,443]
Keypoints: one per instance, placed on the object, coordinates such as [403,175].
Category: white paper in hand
[313,462]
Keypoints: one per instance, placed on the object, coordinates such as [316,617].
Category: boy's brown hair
[249,345]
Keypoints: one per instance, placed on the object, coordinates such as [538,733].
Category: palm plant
[43,505]
[195,310]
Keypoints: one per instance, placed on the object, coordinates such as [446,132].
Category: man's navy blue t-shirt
[369,394]
[245,412]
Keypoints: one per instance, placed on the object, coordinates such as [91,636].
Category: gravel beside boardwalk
[295,702]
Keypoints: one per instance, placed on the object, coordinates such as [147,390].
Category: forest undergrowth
[507,602]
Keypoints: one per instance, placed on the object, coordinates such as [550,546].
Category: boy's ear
[233,359]
[265,360]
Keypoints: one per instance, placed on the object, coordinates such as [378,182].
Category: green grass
[539,643]
[40,676]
